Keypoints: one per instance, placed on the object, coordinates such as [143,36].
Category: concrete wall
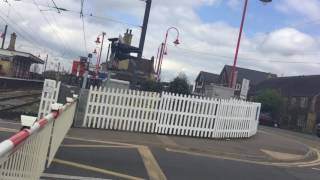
[115,83]
[218,91]
[81,108]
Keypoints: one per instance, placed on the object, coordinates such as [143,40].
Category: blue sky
[260,17]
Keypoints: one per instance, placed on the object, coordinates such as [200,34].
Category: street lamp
[163,49]
[100,52]
[231,83]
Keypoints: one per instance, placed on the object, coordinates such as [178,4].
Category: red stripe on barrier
[19,137]
[55,114]
[43,122]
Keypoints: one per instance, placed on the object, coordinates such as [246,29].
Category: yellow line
[99,170]
[93,146]
[279,164]
[105,142]
[151,165]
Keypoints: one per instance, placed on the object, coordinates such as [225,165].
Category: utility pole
[144,27]
[4,35]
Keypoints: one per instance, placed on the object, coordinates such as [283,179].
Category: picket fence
[170,114]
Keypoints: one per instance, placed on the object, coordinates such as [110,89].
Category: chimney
[128,37]
[12,43]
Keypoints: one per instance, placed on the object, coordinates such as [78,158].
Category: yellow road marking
[104,142]
[99,170]
[289,164]
[94,146]
[150,163]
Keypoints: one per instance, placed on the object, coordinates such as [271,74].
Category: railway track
[17,99]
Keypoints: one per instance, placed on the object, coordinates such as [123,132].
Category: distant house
[207,84]
[203,79]
[16,63]
[214,85]
[301,96]
[254,76]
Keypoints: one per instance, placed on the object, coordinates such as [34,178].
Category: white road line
[62,176]
[317,169]
[6,122]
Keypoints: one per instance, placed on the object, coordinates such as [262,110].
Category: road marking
[8,129]
[167,141]
[62,176]
[94,146]
[317,169]
[6,122]
[104,142]
[282,156]
[279,164]
[95,169]
[151,165]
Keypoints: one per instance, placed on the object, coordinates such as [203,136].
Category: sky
[281,37]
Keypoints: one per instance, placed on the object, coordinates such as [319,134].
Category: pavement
[102,154]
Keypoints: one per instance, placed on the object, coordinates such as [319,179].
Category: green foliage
[150,85]
[180,85]
[271,101]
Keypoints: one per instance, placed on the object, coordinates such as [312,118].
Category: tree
[272,102]
[180,85]
[150,85]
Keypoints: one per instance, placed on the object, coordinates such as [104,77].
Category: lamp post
[163,49]
[100,53]
[231,83]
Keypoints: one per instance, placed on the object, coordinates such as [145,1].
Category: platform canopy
[32,58]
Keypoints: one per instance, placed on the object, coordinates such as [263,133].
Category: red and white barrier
[24,155]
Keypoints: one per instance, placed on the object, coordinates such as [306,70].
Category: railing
[24,155]
[171,114]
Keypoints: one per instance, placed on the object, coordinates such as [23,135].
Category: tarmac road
[100,154]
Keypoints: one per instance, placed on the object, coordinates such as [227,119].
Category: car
[266,119]
[318,129]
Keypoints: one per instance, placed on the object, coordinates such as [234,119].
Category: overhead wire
[66,47]
[83,27]
[110,19]
[21,32]
[26,30]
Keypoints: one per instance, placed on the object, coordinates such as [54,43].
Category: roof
[254,76]
[208,77]
[10,53]
[292,85]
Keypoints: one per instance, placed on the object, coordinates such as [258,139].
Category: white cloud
[307,8]
[288,42]
[204,46]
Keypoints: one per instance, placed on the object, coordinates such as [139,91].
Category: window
[303,102]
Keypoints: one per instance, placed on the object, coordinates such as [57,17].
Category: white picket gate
[167,113]
[49,96]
